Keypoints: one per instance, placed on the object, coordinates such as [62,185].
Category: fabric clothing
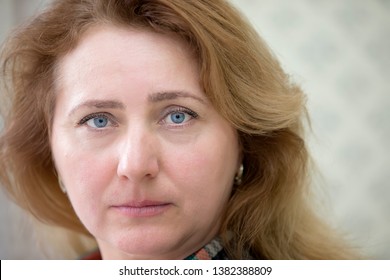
[94,255]
[211,251]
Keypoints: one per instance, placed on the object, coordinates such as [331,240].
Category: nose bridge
[138,157]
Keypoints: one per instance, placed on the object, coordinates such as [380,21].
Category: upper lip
[143,203]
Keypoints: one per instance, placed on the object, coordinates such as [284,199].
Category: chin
[145,246]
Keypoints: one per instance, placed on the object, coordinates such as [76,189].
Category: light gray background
[339,51]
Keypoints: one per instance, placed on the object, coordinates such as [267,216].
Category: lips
[145,208]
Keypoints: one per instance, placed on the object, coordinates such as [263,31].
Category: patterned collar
[212,251]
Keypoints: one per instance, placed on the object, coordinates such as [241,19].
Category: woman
[163,129]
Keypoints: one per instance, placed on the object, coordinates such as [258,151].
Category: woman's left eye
[180,116]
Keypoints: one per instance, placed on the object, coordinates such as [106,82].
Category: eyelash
[170,111]
[97,115]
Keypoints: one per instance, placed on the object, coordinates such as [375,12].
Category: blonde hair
[269,213]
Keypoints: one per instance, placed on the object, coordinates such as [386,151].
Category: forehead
[126,64]
[122,47]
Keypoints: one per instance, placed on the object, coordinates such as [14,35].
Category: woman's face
[147,162]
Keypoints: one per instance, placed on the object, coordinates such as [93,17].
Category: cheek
[205,171]
[84,173]
[86,178]
[203,184]
[77,161]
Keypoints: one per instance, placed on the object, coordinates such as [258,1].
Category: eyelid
[107,115]
[181,109]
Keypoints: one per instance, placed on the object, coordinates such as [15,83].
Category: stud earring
[238,178]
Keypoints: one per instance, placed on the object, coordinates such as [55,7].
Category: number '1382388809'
[242,270]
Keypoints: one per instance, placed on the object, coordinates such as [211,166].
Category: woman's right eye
[97,121]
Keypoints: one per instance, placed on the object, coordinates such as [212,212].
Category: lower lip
[144,211]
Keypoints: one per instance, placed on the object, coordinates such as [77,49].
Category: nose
[138,155]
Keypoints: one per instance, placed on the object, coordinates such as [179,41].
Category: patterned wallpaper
[339,51]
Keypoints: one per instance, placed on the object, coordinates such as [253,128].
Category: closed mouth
[143,208]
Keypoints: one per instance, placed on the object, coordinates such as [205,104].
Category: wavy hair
[269,215]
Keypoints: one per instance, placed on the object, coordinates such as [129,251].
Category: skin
[147,162]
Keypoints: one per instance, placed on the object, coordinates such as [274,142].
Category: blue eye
[178,117]
[98,121]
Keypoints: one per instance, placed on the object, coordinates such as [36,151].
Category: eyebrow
[153,98]
[170,95]
[99,104]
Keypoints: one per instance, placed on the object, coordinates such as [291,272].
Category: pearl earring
[238,178]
